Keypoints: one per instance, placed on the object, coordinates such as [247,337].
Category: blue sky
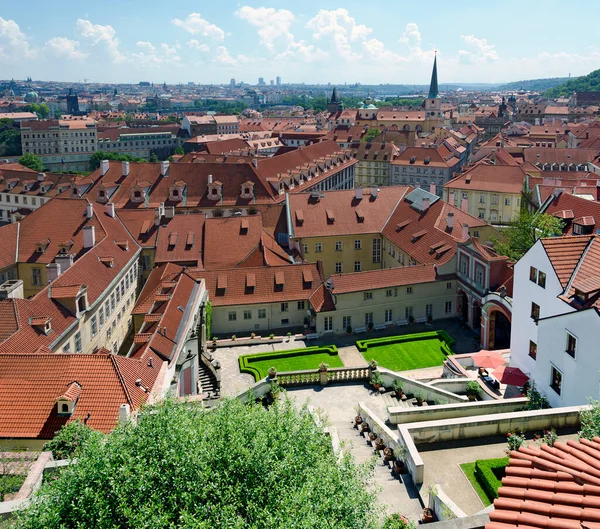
[309,41]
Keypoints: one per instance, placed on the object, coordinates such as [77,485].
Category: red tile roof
[235,292]
[567,206]
[390,277]
[173,238]
[550,488]
[565,253]
[495,178]
[31,384]
[9,246]
[542,155]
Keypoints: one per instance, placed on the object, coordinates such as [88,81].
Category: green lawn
[300,360]
[469,470]
[407,355]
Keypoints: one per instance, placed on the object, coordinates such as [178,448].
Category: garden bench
[380,327]
[401,323]
[312,336]
[421,320]
[360,330]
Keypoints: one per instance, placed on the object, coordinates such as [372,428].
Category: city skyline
[313,43]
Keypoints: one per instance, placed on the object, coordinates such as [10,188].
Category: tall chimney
[465,233]
[89,236]
[52,271]
[89,210]
[41,177]
[210,179]
[104,167]
[464,205]
[124,413]
[425,204]
[358,193]
[125,168]
[110,209]
[164,168]
[450,221]
[432,189]
[157,216]
[375,191]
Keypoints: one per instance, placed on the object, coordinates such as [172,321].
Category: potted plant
[233,337]
[372,437]
[411,319]
[420,398]
[472,390]
[379,444]
[388,453]
[275,391]
[399,465]
[252,335]
[306,322]
[357,418]
[271,336]
[272,372]
[397,521]
[398,387]
[349,330]
[427,516]
[376,380]
[364,427]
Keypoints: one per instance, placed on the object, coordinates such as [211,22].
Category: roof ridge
[113,359]
[579,265]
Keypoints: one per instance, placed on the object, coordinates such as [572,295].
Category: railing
[333,375]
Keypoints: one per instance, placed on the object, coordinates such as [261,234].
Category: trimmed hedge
[484,473]
[245,361]
[443,336]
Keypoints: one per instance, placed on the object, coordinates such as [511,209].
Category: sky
[371,42]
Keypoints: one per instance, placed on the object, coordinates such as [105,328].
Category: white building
[555,319]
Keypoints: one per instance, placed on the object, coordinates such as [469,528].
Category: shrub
[397,385]
[349,329]
[590,421]
[446,340]
[514,440]
[489,473]
[473,388]
[376,379]
[70,439]
[397,521]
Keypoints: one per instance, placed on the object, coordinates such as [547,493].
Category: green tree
[98,156]
[370,135]
[585,83]
[42,109]
[590,421]
[179,150]
[32,161]
[235,466]
[10,138]
[70,439]
[153,157]
[524,231]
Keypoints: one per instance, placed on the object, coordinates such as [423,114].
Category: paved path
[337,403]
[351,357]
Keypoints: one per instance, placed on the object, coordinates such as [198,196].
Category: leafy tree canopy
[371,134]
[179,150]
[590,421]
[41,109]
[236,466]
[98,156]
[32,161]
[525,230]
[70,439]
[10,138]
[586,83]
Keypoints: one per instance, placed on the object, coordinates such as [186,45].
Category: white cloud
[222,56]
[150,55]
[195,45]
[411,35]
[64,48]
[482,50]
[14,45]
[98,34]
[196,25]
[272,24]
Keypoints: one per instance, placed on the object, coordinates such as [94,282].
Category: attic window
[108,261]
[250,281]
[299,217]
[360,216]
[330,216]
[102,193]
[427,160]
[124,245]
[189,240]
[172,238]
[413,159]
[402,224]
[41,246]
[580,296]
[416,236]
[307,276]
[244,225]
[42,324]
[279,280]
[222,282]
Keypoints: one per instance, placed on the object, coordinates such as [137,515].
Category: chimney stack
[374,191]
[125,168]
[358,193]
[41,177]
[124,413]
[52,271]
[450,221]
[64,261]
[104,167]
[89,236]
[432,189]
[89,210]
[465,232]
[425,204]
[464,205]
[157,216]
[254,162]
[210,179]
[110,210]
[164,168]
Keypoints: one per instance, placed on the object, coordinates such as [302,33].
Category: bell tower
[433,103]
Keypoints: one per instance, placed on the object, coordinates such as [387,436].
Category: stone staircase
[208,384]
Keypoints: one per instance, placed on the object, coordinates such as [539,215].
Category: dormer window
[65,403]
[42,324]
[41,246]
[247,190]
[215,190]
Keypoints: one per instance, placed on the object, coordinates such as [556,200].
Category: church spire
[334,98]
[433,86]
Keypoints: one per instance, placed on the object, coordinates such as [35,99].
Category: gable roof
[485,177]
[565,253]
[385,278]
[31,384]
[570,207]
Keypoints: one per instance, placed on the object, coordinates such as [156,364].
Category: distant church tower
[433,103]
[335,103]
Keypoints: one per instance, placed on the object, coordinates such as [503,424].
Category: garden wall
[414,386]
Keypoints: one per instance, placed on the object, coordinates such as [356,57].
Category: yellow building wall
[25,274]
[347,255]
[370,172]
[396,299]
[222,325]
[505,211]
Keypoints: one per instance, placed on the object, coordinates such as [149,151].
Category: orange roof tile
[565,253]
[389,277]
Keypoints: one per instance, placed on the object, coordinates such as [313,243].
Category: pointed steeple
[334,98]
[433,86]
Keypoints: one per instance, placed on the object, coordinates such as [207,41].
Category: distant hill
[534,85]
[586,83]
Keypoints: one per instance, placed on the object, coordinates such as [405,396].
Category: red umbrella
[488,359]
[512,376]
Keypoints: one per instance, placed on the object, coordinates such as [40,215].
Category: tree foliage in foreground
[525,230]
[236,466]
[70,439]
[32,161]
[590,421]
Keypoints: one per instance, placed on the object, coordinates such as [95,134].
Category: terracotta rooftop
[390,277]
[30,386]
[565,253]
[550,488]
[494,178]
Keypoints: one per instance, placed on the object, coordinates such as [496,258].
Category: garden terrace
[409,351]
[303,359]
[485,476]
